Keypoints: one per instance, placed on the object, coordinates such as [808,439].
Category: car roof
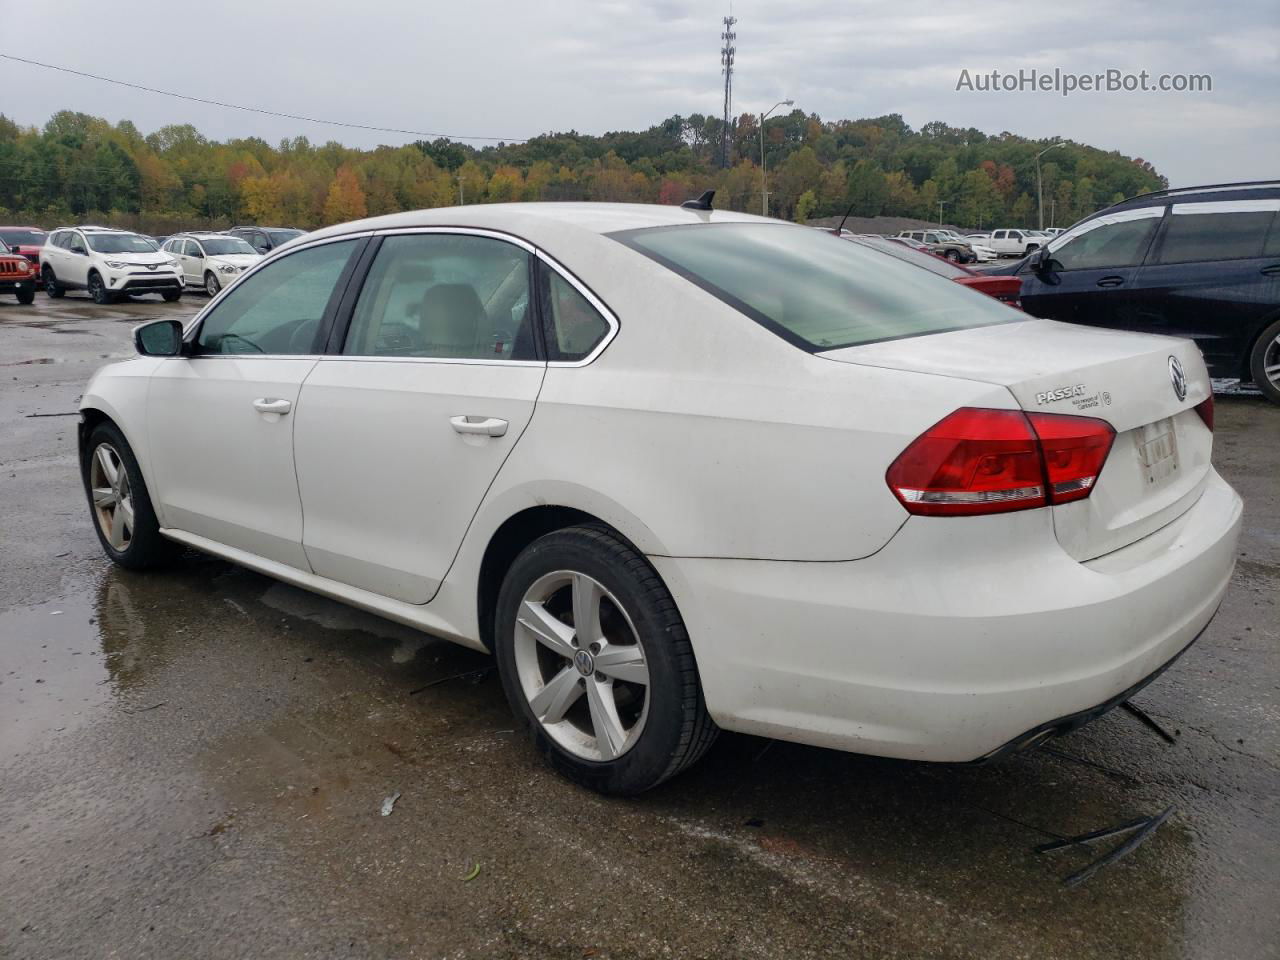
[531,219]
[1252,190]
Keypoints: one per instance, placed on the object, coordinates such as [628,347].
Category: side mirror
[159,338]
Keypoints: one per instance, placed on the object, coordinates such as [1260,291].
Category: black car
[1201,262]
[265,239]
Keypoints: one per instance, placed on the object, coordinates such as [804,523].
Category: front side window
[571,325]
[1226,230]
[445,296]
[278,310]
[812,289]
[120,243]
[1112,240]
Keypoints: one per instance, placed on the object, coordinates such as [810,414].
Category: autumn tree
[346,200]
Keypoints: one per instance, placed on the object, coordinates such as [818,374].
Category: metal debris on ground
[389,804]
[475,676]
[1142,828]
[1129,707]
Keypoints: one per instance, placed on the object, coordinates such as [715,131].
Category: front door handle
[482,426]
[1272,270]
[272,405]
[1111,281]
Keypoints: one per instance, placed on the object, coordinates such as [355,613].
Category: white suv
[1014,243]
[107,263]
[210,260]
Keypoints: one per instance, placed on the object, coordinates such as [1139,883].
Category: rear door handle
[482,426]
[1272,271]
[272,405]
[1111,281]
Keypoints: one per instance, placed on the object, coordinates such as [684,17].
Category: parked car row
[110,264]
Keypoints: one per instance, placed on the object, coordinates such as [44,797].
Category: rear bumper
[960,637]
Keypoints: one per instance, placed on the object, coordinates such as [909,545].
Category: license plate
[1158,451]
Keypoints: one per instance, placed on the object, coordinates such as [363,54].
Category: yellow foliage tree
[345,200]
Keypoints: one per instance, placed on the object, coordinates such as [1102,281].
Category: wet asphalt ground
[192,764]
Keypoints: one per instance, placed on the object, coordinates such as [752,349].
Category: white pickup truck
[1014,243]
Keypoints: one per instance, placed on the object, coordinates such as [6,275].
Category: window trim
[346,309]
[327,323]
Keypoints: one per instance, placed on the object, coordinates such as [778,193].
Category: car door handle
[272,405]
[482,426]
[1272,270]
[1111,281]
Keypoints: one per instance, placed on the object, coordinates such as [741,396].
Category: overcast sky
[513,68]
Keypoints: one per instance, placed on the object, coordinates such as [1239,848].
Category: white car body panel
[751,474]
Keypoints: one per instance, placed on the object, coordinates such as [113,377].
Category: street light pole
[764,183]
[1040,183]
[940,203]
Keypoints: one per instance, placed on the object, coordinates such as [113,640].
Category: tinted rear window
[1227,230]
[813,289]
[22,238]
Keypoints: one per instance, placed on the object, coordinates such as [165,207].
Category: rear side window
[571,325]
[1227,230]
[445,296]
[1112,240]
[815,290]
[279,309]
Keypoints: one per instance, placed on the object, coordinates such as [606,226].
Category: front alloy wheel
[98,290]
[112,499]
[211,284]
[581,666]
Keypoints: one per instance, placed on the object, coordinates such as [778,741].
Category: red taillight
[1205,409]
[992,461]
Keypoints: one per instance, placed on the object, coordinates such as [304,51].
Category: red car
[26,241]
[17,275]
[1005,289]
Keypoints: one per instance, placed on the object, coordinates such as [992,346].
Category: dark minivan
[1201,262]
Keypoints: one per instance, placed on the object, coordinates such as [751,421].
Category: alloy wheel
[211,285]
[112,497]
[581,666]
[1271,362]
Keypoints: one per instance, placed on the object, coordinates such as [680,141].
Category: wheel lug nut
[595,648]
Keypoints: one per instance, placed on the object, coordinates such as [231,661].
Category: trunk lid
[1161,456]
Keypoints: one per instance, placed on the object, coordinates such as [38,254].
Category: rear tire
[619,714]
[1264,362]
[119,504]
[50,282]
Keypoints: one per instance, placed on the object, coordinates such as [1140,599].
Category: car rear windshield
[22,238]
[900,251]
[120,243]
[813,289]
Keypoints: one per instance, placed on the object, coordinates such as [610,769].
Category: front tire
[952,255]
[171,296]
[98,290]
[1264,362]
[211,284]
[119,503]
[50,282]
[616,706]
[26,297]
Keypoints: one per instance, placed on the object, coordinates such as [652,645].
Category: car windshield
[282,236]
[22,238]
[817,292]
[221,246]
[120,243]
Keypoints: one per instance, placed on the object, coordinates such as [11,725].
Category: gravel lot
[192,765]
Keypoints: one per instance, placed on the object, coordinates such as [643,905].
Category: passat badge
[1178,378]
[1062,393]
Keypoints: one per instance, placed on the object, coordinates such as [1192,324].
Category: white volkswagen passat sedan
[683,470]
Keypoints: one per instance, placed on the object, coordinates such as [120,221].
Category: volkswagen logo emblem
[584,662]
[1178,378]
